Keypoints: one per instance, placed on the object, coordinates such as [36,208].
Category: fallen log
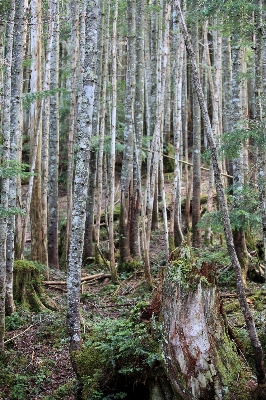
[83,279]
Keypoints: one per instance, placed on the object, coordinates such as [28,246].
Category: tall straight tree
[258,352]
[113,140]
[127,165]
[196,234]
[74,15]
[45,127]
[175,231]
[37,237]
[139,120]
[15,141]
[238,161]
[4,189]
[83,136]
[54,142]
[105,52]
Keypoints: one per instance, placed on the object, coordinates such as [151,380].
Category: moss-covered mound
[28,289]
[122,359]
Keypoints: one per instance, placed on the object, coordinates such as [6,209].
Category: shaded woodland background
[98,107]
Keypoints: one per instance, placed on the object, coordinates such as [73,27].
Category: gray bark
[15,140]
[196,158]
[54,143]
[4,190]
[112,152]
[127,165]
[81,176]
[258,352]
[74,15]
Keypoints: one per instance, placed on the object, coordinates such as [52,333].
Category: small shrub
[117,347]
[15,321]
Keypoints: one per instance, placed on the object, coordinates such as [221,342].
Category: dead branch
[83,279]
[19,334]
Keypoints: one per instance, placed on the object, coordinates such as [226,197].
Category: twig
[19,334]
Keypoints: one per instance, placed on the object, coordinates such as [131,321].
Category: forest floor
[37,363]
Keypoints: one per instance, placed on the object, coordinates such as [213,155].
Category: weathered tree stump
[28,289]
[201,360]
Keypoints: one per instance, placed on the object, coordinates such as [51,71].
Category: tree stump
[28,289]
[201,360]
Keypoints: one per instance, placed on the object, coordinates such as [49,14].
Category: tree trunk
[4,189]
[15,138]
[74,12]
[37,238]
[258,352]
[127,166]
[45,131]
[201,359]
[54,143]
[81,176]
[112,152]
[28,290]
[196,186]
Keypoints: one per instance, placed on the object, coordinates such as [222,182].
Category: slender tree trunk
[81,176]
[89,239]
[196,188]
[139,120]
[15,138]
[260,114]
[238,163]
[156,143]
[112,153]
[4,190]
[45,131]
[127,166]
[105,52]
[258,352]
[175,229]
[74,8]
[54,143]
[37,238]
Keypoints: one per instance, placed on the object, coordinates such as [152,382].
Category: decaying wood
[83,279]
[201,360]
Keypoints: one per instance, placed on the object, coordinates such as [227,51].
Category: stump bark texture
[201,359]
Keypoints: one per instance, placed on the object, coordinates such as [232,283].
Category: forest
[133,199]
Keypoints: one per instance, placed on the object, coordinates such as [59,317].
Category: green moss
[232,306]
[234,374]
[130,266]
[27,287]
[63,391]
[116,348]
[171,243]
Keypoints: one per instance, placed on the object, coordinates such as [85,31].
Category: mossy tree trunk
[28,289]
[201,359]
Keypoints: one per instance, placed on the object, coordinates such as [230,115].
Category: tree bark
[127,165]
[196,185]
[201,359]
[81,176]
[4,189]
[37,238]
[54,144]
[258,352]
[15,139]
